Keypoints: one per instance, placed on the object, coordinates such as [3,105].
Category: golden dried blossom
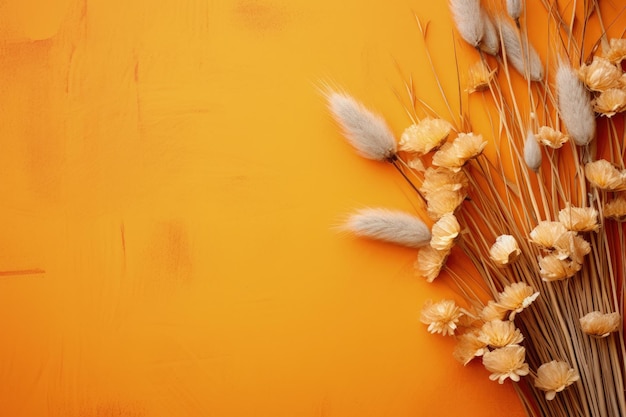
[551,137]
[516,297]
[600,75]
[506,362]
[602,174]
[555,376]
[610,102]
[599,324]
[498,333]
[546,233]
[430,262]
[468,347]
[617,50]
[445,232]
[425,136]
[454,155]
[552,268]
[505,250]
[615,209]
[480,76]
[579,219]
[493,311]
[570,246]
[441,317]
[440,178]
[442,202]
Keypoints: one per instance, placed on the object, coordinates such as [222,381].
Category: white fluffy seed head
[490,42]
[574,105]
[366,131]
[519,52]
[468,20]
[532,152]
[389,226]
[514,8]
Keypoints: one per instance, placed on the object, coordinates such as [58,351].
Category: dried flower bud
[579,219]
[555,376]
[367,132]
[468,347]
[600,325]
[506,362]
[600,75]
[441,317]
[575,106]
[553,268]
[617,51]
[498,333]
[468,20]
[550,137]
[389,226]
[546,233]
[454,155]
[445,232]
[430,262]
[610,102]
[490,42]
[519,52]
[505,250]
[615,209]
[442,202]
[532,152]
[602,174]
[425,136]
[480,76]
[441,178]
[516,297]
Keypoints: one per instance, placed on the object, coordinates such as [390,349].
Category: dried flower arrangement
[538,209]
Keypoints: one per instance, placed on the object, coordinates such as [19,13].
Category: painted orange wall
[170,184]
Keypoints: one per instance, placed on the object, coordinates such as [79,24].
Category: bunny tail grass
[575,106]
[389,226]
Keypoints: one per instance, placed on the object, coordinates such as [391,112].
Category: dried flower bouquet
[536,202]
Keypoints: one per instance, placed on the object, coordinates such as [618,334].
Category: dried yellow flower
[617,50]
[552,268]
[445,232]
[441,317]
[550,137]
[610,102]
[498,333]
[454,155]
[516,297]
[600,75]
[572,247]
[546,233]
[505,250]
[480,76]
[599,324]
[493,311]
[468,347]
[440,178]
[616,209]
[506,362]
[430,261]
[602,174]
[442,202]
[425,136]
[579,219]
[555,376]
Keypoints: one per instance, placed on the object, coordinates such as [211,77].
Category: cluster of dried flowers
[546,235]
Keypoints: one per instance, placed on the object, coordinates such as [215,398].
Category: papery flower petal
[615,209]
[604,175]
[610,102]
[550,137]
[454,155]
[555,376]
[493,311]
[505,250]
[445,232]
[425,136]
[579,219]
[516,297]
[480,76]
[552,268]
[571,246]
[498,333]
[506,362]
[441,317]
[546,233]
[617,51]
[441,178]
[443,202]
[468,347]
[430,262]
[599,324]
[600,75]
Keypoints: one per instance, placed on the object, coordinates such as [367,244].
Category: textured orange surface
[170,183]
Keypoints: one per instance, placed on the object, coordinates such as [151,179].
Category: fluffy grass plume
[575,105]
[468,20]
[519,52]
[389,226]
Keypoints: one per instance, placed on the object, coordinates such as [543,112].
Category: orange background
[170,182]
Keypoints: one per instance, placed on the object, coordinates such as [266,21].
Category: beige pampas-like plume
[532,152]
[366,131]
[490,42]
[574,105]
[514,8]
[519,52]
[389,226]
[467,15]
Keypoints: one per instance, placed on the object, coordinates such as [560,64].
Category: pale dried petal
[506,362]
[498,333]
[570,246]
[425,136]
[579,219]
[616,209]
[553,268]
[441,317]
[546,233]
[430,262]
[445,232]
[617,51]
[610,102]
[454,155]
[468,347]
[600,75]
[389,226]
[441,178]
[599,324]
[550,137]
[516,297]
[575,106]
[555,376]
[505,250]
[366,131]
[602,174]
[493,311]
[480,76]
[442,202]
